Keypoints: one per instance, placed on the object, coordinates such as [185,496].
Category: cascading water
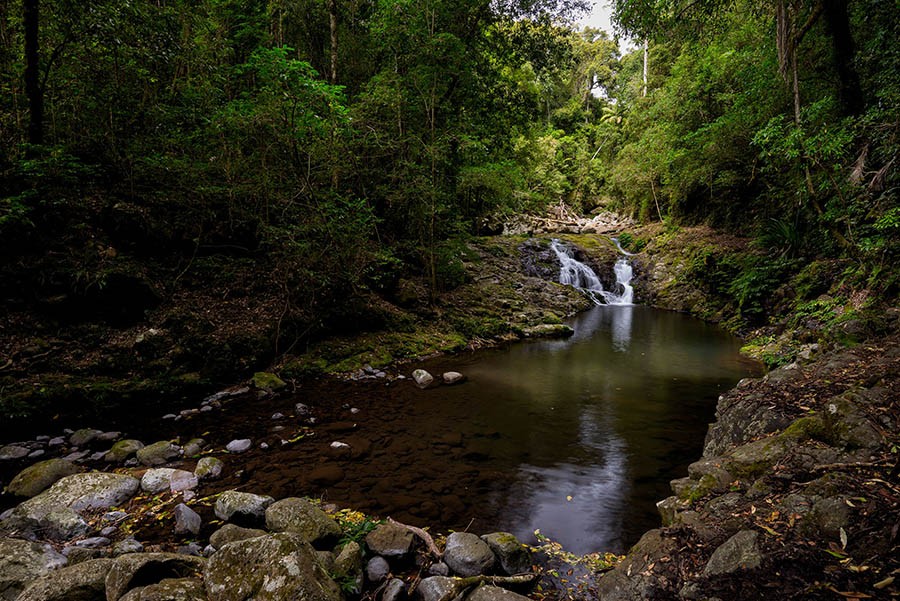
[573,272]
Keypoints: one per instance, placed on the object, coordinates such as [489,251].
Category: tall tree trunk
[646,65]
[332,22]
[849,89]
[32,72]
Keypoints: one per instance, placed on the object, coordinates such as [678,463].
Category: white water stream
[573,272]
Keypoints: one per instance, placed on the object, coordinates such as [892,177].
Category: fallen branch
[426,538]
[857,465]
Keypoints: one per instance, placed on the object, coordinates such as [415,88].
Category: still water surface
[576,437]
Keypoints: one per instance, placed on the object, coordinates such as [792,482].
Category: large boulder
[37,478]
[142,569]
[55,512]
[242,507]
[299,516]
[85,581]
[170,589]
[21,562]
[468,555]
[278,567]
[514,557]
[158,453]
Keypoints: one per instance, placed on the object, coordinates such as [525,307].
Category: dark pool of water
[576,437]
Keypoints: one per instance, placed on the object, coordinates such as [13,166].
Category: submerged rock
[453,377]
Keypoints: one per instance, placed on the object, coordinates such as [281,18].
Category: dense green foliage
[179,130]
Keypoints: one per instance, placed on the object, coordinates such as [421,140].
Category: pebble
[42,438]
[278,416]
[354,410]
[76,456]
[301,409]
[109,436]
[206,408]
[108,531]
[35,454]
[56,442]
[114,516]
[98,455]
[169,416]
[263,446]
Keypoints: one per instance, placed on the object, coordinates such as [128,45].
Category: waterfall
[573,272]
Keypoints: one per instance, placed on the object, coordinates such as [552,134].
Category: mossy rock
[268,381]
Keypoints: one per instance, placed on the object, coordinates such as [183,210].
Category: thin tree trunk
[332,22]
[646,65]
[849,89]
[32,72]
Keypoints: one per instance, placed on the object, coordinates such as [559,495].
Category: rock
[268,382]
[339,450]
[422,378]
[127,545]
[37,453]
[57,441]
[208,468]
[77,555]
[395,590]
[453,377]
[468,555]
[182,480]
[439,568]
[156,480]
[143,569]
[326,475]
[84,581]
[377,569]
[77,455]
[93,542]
[158,453]
[170,589]
[191,548]
[56,509]
[242,507]
[494,593]
[21,562]
[278,567]
[390,541]
[299,516]
[827,517]
[239,446]
[634,578]
[548,330]
[230,533]
[109,436]
[514,557]
[194,447]
[740,552]
[13,452]
[301,409]
[187,521]
[123,450]
[84,437]
[348,566]
[435,588]
[39,477]
[326,560]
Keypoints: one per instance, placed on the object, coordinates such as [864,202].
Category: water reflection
[621,327]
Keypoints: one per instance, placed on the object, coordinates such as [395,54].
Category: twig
[429,542]
[858,465]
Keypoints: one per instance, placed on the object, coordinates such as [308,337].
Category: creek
[577,437]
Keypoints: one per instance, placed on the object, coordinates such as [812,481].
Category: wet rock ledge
[58,545]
